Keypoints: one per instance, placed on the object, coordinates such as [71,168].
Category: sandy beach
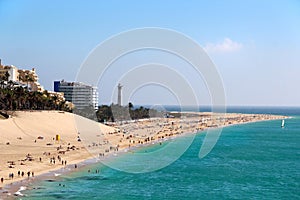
[28,143]
[36,142]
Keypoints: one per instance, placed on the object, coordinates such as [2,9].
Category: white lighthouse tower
[120,94]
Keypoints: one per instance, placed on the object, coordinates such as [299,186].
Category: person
[28,174]
[19,173]
[22,174]
[2,180]
[32,174]
[75,166]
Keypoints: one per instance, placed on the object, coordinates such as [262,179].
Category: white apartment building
[80,94]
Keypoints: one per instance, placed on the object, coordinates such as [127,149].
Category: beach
[41,141]
[28,144]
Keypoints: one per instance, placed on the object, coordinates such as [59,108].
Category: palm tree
[29,79]
[6,76]
[2,84]
[10,85]
[55,101]
[130,106]
[9,96]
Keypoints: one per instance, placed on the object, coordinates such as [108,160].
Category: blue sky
[254,44]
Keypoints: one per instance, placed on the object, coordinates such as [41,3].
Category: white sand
[23,129]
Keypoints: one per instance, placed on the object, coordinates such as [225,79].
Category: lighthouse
[120,94]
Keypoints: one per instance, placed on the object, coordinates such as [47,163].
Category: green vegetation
[18,98]
[115,112]
[4,77]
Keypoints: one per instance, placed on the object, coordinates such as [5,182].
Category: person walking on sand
[28,174]
[2,180]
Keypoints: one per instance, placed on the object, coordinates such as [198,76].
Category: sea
[257,160]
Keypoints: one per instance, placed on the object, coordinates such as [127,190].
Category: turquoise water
[251,161]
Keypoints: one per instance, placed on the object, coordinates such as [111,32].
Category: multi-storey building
[30,78]
[80,94]
[21,77]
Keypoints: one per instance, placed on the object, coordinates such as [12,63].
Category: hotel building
[80,94]
[26,77]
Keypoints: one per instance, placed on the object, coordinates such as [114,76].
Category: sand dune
[20,143]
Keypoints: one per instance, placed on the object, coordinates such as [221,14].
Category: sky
[255,45]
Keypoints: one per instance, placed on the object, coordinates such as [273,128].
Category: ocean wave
[18,193]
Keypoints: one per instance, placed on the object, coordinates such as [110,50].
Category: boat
[282,123]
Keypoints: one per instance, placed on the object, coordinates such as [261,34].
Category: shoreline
[15,185]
